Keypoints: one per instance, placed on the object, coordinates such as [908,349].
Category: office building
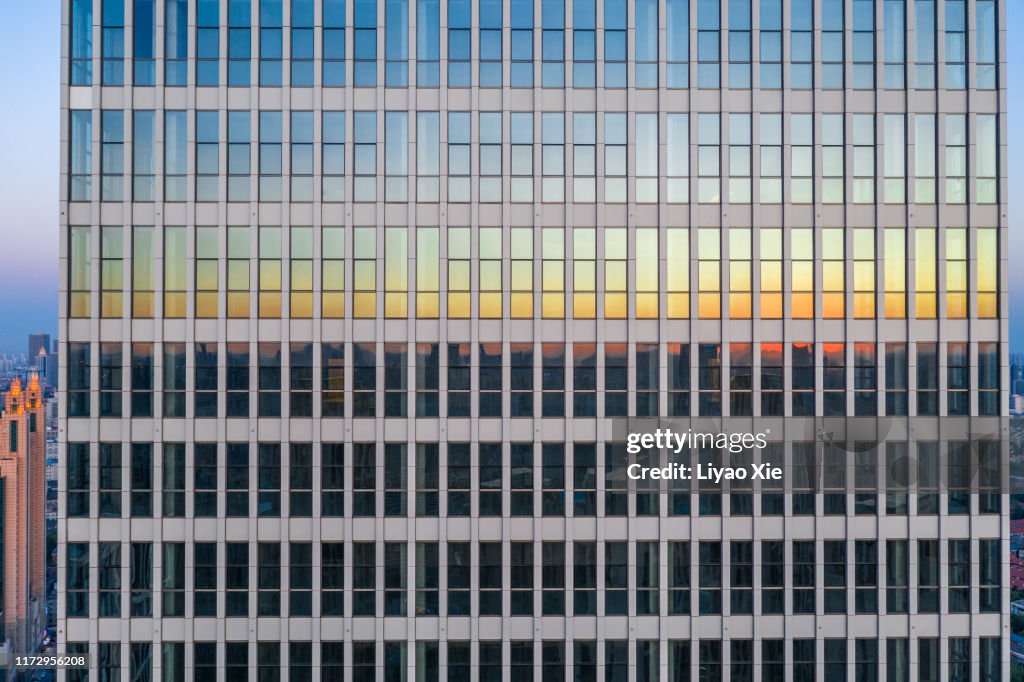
[23,532]
[37,342]
[359,297]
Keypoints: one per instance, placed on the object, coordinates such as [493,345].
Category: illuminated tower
[23,534]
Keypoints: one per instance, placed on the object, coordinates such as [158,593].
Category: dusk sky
[30,160]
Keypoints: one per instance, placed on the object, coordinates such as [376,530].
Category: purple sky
[29,166]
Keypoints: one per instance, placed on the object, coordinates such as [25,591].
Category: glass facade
[403,262]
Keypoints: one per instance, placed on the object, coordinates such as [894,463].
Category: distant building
[37,342]
[22,524]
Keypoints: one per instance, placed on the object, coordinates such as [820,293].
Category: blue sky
[30,158]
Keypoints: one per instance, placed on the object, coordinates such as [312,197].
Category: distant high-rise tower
[22,524]
[35,342]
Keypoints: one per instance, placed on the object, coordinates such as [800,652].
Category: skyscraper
[36,342]
[359,300]
[22,503]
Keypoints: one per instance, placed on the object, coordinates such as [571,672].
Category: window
[741,380]
[141,588]
[268,501]
[396,154]
[986,44]
[428,158]
[521,479]
[395,479]
[987,158]
[490,381]
[238,155]
[552,578]
[207,155]
[173,583]
[301,43]
[395,576]
[553,479]
[988,378]
[334,43]
[585,157]
[801,21]
[708,158]
[113,42]
[616,380]
[709,51]
[205,482]
[521,379]
[897,576]
[78,468]
[741,568]
[865,383]
[269,379]
[489,280]
[207,42]
[237,488]
[239,42]
[364,479]
[77,593]
[300,580]
[333,163]
[459,42]
[956,45]
[490,43]
[110,381]
[553,43]
[956,158]
[364,580]
[925,159]
[584,38]
[111,272]
[270,156]
[81,42]
[109,574]
[925,48]
[205,571]
[332,580]
[863,45]
[81,156]
[143,276]
[865,572]
[112,155]
[804,477]
[710,578]
[801,133]
[490,162]
[615,42]
[489,568]
[144,154]
[804,597]
[584,479]
[678,380]
[894,48]
[365,160]
[142,380]
[709,375]
[739,44]
[646,44]
[553,156]
[173,483]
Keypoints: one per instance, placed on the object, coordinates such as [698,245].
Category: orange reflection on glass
[521,305]
[895,277]
[553,306]
[925,275]
[988,273]
[646,273]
